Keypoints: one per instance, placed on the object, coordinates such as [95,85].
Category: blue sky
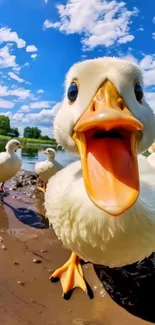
[41,39]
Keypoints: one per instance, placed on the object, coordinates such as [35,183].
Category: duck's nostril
[121,104]
[93,108]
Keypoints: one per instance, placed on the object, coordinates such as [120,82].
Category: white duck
[48,168]
[10,163]
[151,158]
[94,204]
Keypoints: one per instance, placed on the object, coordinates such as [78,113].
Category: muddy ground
[29,252]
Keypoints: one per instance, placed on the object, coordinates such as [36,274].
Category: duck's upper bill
[107,135]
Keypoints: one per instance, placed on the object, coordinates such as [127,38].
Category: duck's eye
[138,92]
[72,92]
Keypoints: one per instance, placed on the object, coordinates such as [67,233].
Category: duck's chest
[90,232]
[96,236]
[11,166]
[132,286]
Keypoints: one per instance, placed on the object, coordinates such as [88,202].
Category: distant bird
[103,207]
[48,168]
[10,163]
[151,158]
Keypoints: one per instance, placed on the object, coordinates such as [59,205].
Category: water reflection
[30,154]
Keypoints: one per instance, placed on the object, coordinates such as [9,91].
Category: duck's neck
[10,151]
[50,158]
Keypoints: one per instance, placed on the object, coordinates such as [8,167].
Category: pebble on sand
[37,261]
[4,247]
[21,283]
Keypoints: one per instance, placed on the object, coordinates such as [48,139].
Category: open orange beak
[107,135]
[20,146]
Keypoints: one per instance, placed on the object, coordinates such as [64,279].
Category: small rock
[21,283]
[43,251]
[16,263]
[1,239]
[49,271]
[4,247]
[35,236]
[37,261]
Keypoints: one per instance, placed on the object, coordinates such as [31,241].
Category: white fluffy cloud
[44,117]
[33,56]
[6,35]
[25,108]
[41,104]
[49,24]
[40,91]
[148,66]
[20,93]
[150,97]
[98,22]
[31,48]
[13,76]
[7,60]
[6,103]
[35,105]
[3,91]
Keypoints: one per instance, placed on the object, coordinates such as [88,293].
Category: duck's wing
[4,157]
[57,165]
[147,182]
[40,166]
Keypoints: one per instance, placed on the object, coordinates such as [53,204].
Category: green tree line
[29,132]
[5,128]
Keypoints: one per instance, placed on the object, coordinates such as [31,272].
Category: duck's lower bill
[109,165]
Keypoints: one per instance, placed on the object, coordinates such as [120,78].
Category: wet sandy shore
[27,297]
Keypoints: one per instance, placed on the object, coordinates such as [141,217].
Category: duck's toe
[71,276]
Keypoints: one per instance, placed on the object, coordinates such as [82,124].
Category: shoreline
[37,142]
[27,295]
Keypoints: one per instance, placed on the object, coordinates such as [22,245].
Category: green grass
[26,140]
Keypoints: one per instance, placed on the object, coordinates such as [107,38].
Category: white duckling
[10,163]
[48,168]
[151,158]
[98,207]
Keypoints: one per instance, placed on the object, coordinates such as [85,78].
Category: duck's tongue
[110,172]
